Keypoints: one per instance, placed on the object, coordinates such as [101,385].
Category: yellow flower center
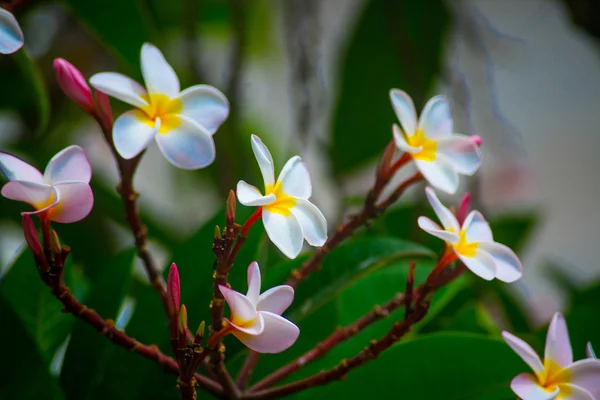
[163,107]
[283,203]
[550,382]
[464,248]
[428,147]
[51,199]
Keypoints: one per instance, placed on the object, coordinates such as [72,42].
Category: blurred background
[311,77]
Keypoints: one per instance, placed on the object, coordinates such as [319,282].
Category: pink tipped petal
[295,179]
[279,334]
[435,120]
[189,146]
[445,216]
[76,202]
[264,159]
[476,228]
[312,221]
[401,142]
[241,307]
[250,328]
[405,110]
[131,133]
[558,345]
[11,35]
[527,387]
[206,105]
[38,195]
[481,264]
[576,392]
[71,164]
[73,84]
[158,74]
[589,351]
[508,265]
[249,195]
[440,174]
[434,229]
[174,288]
[460,152]
[524,351]
[16,169]
[120,87]
[284,231]
[276,300]
[584,373]
[253,283]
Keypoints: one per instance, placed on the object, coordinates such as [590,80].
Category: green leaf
[514,230]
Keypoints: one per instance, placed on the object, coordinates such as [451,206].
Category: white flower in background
[11,35]
[472,242]
[438,153]
[558,377]
[181,122]
[62,194]
[287,214]
[255,318]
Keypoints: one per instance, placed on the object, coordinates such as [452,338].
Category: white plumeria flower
[472,242]
[558,377]
[62,194]
[287,214]
[256,318]
[589,351]
[438,153]
[181,122]
[11,35]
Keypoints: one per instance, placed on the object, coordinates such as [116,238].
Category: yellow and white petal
[254,327]
[525,351]
[574,392]
[434,229]
[76,202]
[188,146]
[481,264]
[558,345]
[508,265]
[312,221]
[461,152]
[70,164]
[405,110]
[401,142]
[254,280]
[583,373]
[284,231]
[249,195]
[276,300]
[38,195]
[295,179]
[11,35]
[448,220]
[132,132]
[476,228]
[440,174]
[16,169]
[206,105]
[435,120]
[120,87]
[264,159]
[278,335]
[527,387]
[241,307]
[159,76]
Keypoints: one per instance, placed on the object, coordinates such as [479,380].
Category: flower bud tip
[73,84]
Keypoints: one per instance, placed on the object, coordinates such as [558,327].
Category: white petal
[476,228]
[11,35]
[508,265]
[524,351]
[265,160]
[584,373]
[241,307]
[461,152]
[445,216]
[439,174]
[38,195]
[295,179]
[401,142]
[312,221]
[481,264]
[589,351]
[558,345]
[435,120]
[576,392]
[71,164]
[279,334]
[434,229]
[253,283]
[276,300]
[132,133]
[284,231]
[405,110]
[120,87]
[158,74]
[249,195]
[254,327]
[189,146]
[527,387]
[76,202]
[16,169]
[206,105]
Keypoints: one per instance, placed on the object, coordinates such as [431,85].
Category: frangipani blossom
[182,123]
[11,35]
[255,318]
[558,377]
[439,154]
[287,214]
[472,242]
[62,193]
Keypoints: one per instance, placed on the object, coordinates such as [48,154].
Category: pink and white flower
[182,123]
[557,377]
[62,193]
[438,153]
[287,214]
[255,319]
[11,35]
[472,242]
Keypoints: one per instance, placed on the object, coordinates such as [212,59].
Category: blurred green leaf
[514,230]
[583,319]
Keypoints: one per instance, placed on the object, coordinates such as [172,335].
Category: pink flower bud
[173,289]
[103,110]
[477,140]
[31,236]
[463,208]
[231,203]
[73,84]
